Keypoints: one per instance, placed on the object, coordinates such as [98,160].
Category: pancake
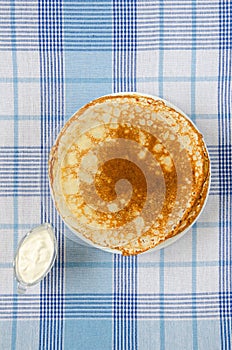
[128,172]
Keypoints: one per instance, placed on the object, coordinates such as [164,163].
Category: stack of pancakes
[128,172]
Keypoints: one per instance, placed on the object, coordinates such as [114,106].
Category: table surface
[55,56]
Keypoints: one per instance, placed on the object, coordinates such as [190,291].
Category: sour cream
[35,255]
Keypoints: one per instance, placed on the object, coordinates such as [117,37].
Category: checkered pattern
[56,56]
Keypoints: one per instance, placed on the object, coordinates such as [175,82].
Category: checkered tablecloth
[56,56]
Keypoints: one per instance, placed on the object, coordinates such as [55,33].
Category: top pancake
[127,172]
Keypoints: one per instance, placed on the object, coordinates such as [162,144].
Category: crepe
[128,172]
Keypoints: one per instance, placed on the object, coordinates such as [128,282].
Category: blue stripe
[122,293]
[123,48]
[86,33]
[88,4]
[119,307]
[224,100]
[101,15]
[118,301]
[21,148]
[114,300]
[61,112]
[135,258]
[161,92]
[166,264]
[83,315]
[125,25]
[135,45]
[142,296]
[59,277]
[193,64]
[114,46]
[42,83]
[161,44]
[133,305]
[149,27]
[194,288]
[162,310]
[124,79]
[134,270]
[130,309]
[194,229]
[53,112]
[77,20]
[125,277]
[104,48]
[15,94]
[143,308]
[98,3]
[108,265]
[143,34]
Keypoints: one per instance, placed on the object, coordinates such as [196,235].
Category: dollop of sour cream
[35,255]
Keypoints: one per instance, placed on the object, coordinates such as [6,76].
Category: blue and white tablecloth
[56,56]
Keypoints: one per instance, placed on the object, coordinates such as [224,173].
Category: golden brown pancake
[128,172]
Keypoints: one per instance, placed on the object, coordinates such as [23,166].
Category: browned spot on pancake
[105,181]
